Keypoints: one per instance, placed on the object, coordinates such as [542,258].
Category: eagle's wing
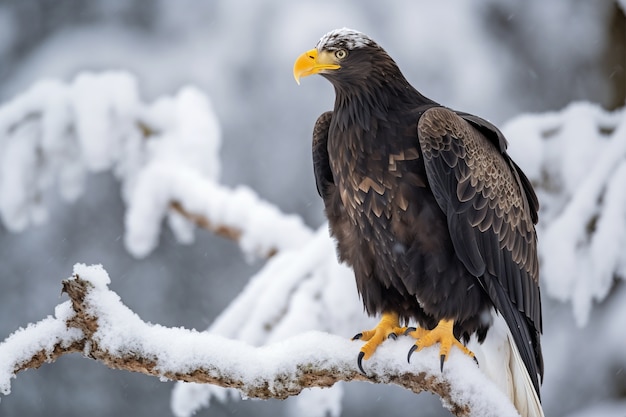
[321,164]
[491,211]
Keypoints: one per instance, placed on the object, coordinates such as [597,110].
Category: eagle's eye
[341,53]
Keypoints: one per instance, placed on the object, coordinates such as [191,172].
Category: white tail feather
[500,360]
[526,399]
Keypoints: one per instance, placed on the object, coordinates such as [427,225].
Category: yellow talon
[389,326]
[442,334]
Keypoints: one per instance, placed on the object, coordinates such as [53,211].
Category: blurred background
[494,58]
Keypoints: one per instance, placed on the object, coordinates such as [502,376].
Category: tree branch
[96,323]
[221,230]
[260,228]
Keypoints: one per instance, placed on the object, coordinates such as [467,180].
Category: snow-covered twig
[96,323]
[41,342]
[173,191]
[199,220]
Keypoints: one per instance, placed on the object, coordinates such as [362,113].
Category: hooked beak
[312,62]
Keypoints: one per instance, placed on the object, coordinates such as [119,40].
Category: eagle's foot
[443,334]
[388,327]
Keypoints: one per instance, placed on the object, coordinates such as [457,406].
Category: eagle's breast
[375,179]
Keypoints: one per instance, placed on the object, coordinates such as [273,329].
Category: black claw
[413,349]
[409,330]
[442,359]
[476,360]
[359,361]
[392,336]
[357,336]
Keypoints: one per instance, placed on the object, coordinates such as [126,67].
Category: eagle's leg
[443,334]
[388,327]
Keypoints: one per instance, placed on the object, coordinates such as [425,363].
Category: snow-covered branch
[97,324]
[186,198]
[165,155]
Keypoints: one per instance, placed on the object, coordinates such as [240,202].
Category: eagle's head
[367,81]
[344,57]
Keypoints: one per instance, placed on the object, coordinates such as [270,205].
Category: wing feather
[491,210]
[321,164]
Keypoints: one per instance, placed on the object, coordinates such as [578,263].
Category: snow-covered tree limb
[165,155]
[95,323]
[199,220]
[163,189]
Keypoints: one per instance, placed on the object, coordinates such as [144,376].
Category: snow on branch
[576,159]
[54,134]
[98,325]
[181,193]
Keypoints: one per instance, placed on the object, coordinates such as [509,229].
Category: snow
[187,398]
[279,301]
[263,227]
[161,152]
[476,389]
[190,133]
[55,133]
[298,290]
[121,332]
[318,402]
[103,107]
[43,336]
[98,277]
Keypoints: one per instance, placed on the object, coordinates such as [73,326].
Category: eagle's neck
[364,105]
[358,108]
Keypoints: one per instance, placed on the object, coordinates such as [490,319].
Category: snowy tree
[282,334]
[67,200]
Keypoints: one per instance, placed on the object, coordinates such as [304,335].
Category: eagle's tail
[525,397]
[501,361]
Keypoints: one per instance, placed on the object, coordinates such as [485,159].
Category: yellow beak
[311,62]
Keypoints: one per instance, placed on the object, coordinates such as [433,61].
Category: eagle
[434,217]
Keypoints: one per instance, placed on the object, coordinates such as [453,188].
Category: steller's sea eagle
[431,213]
